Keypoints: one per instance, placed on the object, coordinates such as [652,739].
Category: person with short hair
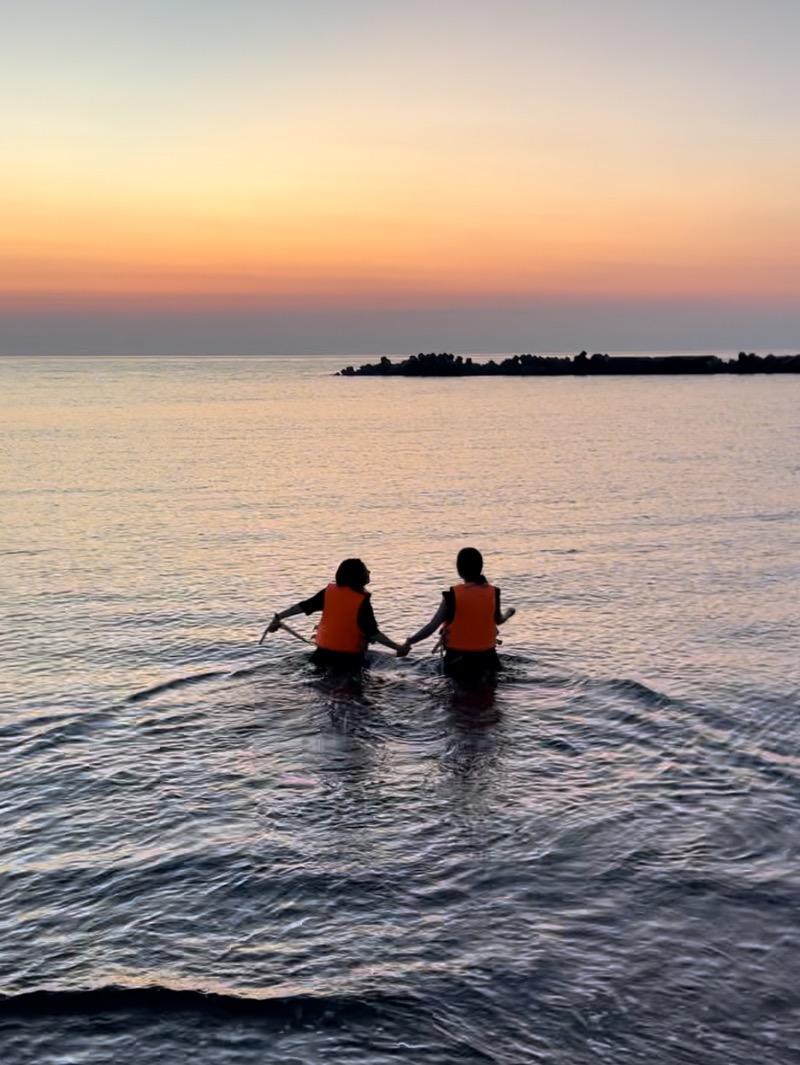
[468,616]
[348,624]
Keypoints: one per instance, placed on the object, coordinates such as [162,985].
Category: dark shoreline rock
[446,364]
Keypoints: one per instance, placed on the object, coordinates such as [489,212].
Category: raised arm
[386,641]
[435,623]
[369,626]
[289,612]
[305,606]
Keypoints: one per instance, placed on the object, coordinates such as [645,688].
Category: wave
[161,1000]
[245,669]
[179,682]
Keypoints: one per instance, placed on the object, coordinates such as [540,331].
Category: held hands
[403,649]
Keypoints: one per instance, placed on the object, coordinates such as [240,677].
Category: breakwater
[445,364]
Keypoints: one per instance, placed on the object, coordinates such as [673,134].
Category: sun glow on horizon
[399,168]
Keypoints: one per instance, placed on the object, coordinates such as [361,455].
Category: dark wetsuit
[341,660]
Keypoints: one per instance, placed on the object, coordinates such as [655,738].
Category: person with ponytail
[348,624]
[468,616]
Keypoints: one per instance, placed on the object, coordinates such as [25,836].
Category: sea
[212,853]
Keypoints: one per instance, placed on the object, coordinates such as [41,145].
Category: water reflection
[349,741]
[338,689]
[474,726]
[475,702]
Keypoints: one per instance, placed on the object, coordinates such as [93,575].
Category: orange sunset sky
[345,177]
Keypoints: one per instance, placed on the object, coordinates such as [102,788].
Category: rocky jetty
[445,364]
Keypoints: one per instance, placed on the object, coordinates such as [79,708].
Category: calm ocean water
[211,854]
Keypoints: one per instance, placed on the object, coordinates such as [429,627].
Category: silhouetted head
[469,564]
[352,573]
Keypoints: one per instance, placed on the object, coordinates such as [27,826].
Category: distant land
[446,364]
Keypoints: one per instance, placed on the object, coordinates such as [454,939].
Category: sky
[353,177]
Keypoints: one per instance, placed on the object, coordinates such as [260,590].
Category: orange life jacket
[338,629]
[473,627]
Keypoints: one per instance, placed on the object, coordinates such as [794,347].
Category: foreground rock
[447,365]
